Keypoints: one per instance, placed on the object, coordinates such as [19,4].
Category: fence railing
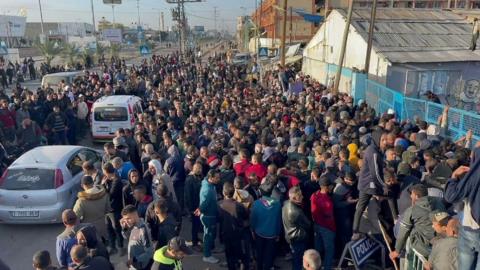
[413,259]
[382,98]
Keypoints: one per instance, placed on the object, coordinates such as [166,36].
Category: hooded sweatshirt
[468,189]
[371,175]
[95,247]
[161,176]
[208,199]
[353,158]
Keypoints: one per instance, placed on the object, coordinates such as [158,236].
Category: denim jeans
[265,252]
[298,248]
[325,245]
[468,249]
[209,234]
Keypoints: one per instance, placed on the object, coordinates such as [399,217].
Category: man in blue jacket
[370,182]
[266,223]
[66,240]
[208,212]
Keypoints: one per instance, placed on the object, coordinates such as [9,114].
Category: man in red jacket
[257,167]
[7,120]
[324,222]
[241,166]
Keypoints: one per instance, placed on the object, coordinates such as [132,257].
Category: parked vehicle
[241,59]
[113,112]
[53,80]
[43,182]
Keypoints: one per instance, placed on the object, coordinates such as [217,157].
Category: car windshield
[29,179]
[111,114]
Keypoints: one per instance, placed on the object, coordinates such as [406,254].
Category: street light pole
[113,16]
[284,33]
[41,16]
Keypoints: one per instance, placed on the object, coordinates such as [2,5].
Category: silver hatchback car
[43,182]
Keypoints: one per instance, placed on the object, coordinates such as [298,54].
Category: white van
[113,112]
[53,80]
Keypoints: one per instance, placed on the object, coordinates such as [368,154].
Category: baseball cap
[178,244]
[119,141]
[439,216]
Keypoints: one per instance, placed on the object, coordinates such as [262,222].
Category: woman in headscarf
[159,176]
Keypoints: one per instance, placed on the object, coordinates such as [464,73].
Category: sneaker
[112,251]
[123,252]
[210,259]
[197,248]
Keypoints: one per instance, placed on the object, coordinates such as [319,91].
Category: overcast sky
[126,13]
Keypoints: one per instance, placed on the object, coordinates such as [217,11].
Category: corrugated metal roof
[417,35]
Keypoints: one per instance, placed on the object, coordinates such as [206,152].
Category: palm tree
[70,53]
[49,49]
[86,56]
[100,51]
[115,49]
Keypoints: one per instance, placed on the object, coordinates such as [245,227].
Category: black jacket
[232,215]
[96,263]
[192,192]
[114,189]
[152,220]
[166,230]
[295,222]
[371,174]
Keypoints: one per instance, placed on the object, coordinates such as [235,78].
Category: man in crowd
[296,225]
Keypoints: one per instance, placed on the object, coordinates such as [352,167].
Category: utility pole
[113,16]
[178,15]
[163,22]
[138,13]
[291,25]
[373,14]
[215,14]
[284,33]
[93,19]
[41,16]
[344,47]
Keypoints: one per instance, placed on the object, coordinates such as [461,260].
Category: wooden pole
[385,237]
[344,47]
[291,25]
[284,33]
[370,36]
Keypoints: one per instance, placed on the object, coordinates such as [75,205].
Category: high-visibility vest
[160,257]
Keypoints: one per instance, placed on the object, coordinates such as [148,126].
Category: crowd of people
[266,171]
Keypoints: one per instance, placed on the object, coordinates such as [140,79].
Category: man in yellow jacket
[170,256]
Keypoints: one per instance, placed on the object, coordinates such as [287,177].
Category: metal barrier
[382,98]
[413,259]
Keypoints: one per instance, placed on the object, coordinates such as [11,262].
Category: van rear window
[110,114]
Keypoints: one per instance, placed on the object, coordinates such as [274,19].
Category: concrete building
[58,30]
[431,4]
[414,51]
[269,17]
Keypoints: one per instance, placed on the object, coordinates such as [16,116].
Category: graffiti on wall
[466,95]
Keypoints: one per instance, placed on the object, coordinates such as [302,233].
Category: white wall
[326,45]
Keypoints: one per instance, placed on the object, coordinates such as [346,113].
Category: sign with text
[361,250]
[112,35]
